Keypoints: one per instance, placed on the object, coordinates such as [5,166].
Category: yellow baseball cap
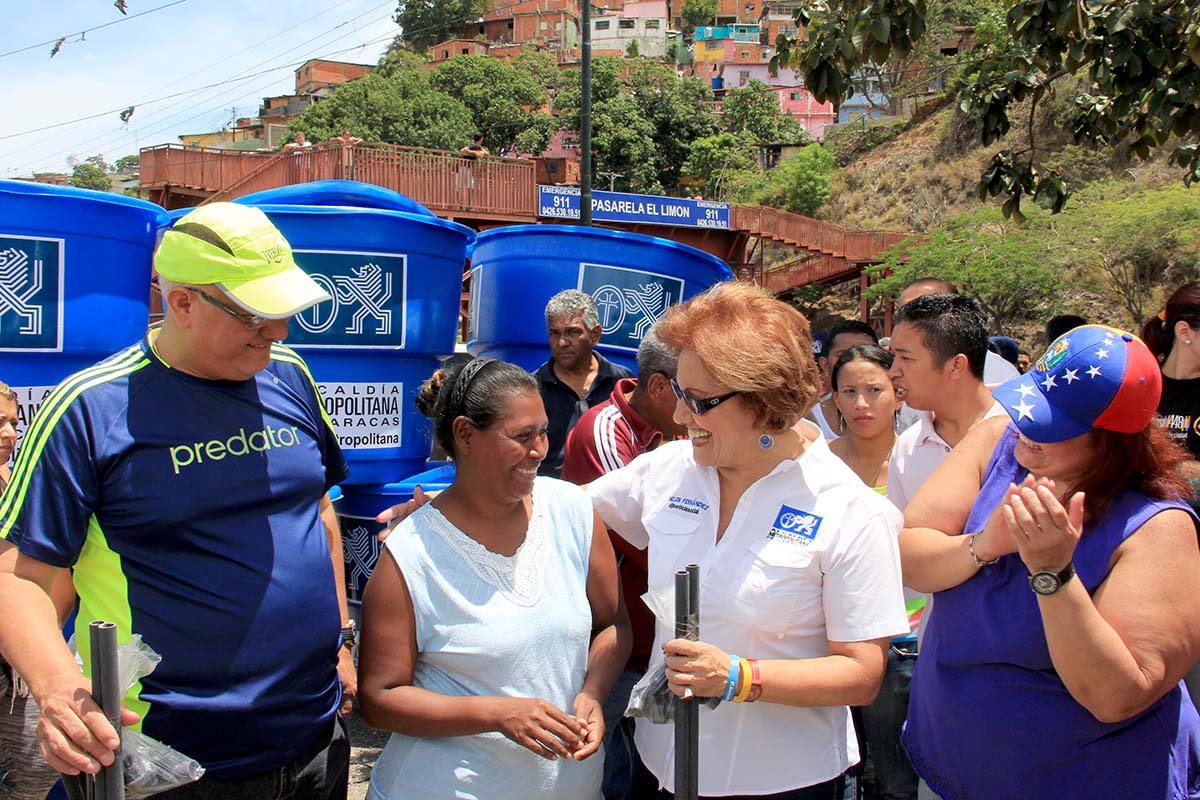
[238,250]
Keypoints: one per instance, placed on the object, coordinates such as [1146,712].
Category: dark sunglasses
[700,405]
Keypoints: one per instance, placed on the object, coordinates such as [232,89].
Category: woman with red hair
[1064,564]
[799,580]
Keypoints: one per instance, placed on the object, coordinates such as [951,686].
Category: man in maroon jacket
[637,417]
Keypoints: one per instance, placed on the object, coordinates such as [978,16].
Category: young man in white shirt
[940,342]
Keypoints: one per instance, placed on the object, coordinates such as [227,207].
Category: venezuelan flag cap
[1090,377]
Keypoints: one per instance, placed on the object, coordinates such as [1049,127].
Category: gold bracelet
[971,547]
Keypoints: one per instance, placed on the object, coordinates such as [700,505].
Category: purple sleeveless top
[988,715]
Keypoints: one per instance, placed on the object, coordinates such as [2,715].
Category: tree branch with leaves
[1140,58]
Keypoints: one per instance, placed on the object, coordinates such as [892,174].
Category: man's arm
[73,732]
[346,671]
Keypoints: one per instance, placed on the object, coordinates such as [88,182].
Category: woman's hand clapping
[1046,532]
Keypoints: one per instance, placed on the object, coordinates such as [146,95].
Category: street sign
[562,202]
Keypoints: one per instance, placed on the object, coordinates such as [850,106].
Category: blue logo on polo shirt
[629,301]
[31,294]
[367,306]
[795,526]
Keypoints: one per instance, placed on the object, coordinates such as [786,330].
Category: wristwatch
[1048,582]
[349,635]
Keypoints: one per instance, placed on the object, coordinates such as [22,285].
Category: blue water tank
[633,278]
[356,509]
[395,273]
[74,282]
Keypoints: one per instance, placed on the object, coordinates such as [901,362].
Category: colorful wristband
[755,682]
[744,692]
[735,664]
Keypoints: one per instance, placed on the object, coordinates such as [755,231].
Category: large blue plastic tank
[356,511]
[633,278]
[395,273]
[74,282]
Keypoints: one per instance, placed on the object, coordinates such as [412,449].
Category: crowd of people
[936,565]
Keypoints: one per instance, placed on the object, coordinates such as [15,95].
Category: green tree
[716,159]
[1013,275]
[606,84]
[632,50]
[403,109]
[87,175]
[1140,60]
[623,143]
[800,185]
[398,58]
[99,162]
[678,108]
[424,23]
[127,164]
[696,13]
[915,71]
[1134,243]
[536,137]
[539,65]
[755,108]
[499,96]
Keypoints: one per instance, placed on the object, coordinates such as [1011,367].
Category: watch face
[1044,582]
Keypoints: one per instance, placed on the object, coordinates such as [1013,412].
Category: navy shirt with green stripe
[190,510]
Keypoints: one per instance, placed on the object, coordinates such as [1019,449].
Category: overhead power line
[58,39]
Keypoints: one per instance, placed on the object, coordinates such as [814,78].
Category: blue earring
[766,441]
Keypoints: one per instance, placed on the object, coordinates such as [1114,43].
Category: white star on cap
[1025,390]
[1049,383]
[1024,410]
[1094,371]
[1101,353]
[1071,376]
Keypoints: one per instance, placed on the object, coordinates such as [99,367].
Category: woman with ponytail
[1174,338]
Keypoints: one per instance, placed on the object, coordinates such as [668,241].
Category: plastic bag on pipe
[150,766]
[651,699]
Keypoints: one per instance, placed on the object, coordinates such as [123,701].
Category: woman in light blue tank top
[477,649]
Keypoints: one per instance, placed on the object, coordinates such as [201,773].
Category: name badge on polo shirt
[687,505]
[794,526]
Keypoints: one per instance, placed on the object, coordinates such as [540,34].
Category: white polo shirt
[917,454]
[809,556]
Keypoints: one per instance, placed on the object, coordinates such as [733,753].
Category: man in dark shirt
[575,378]
[636,418]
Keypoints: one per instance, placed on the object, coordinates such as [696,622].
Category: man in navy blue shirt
[185,481]
[576,377]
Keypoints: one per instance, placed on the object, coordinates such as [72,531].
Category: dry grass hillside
[921,176]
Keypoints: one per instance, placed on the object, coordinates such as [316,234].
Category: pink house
[793,97]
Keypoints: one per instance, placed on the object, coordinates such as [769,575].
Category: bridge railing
[445,181]
[441,180]
[815,234]
[208,169]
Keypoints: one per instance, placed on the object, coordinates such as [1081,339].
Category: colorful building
[642,22]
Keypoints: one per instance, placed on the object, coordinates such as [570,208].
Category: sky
[185,67]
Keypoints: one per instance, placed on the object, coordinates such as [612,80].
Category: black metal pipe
[585,117]
[106,691]
[687,711]
[693,707]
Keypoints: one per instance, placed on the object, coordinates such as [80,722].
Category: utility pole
[612,178]
[585,119]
